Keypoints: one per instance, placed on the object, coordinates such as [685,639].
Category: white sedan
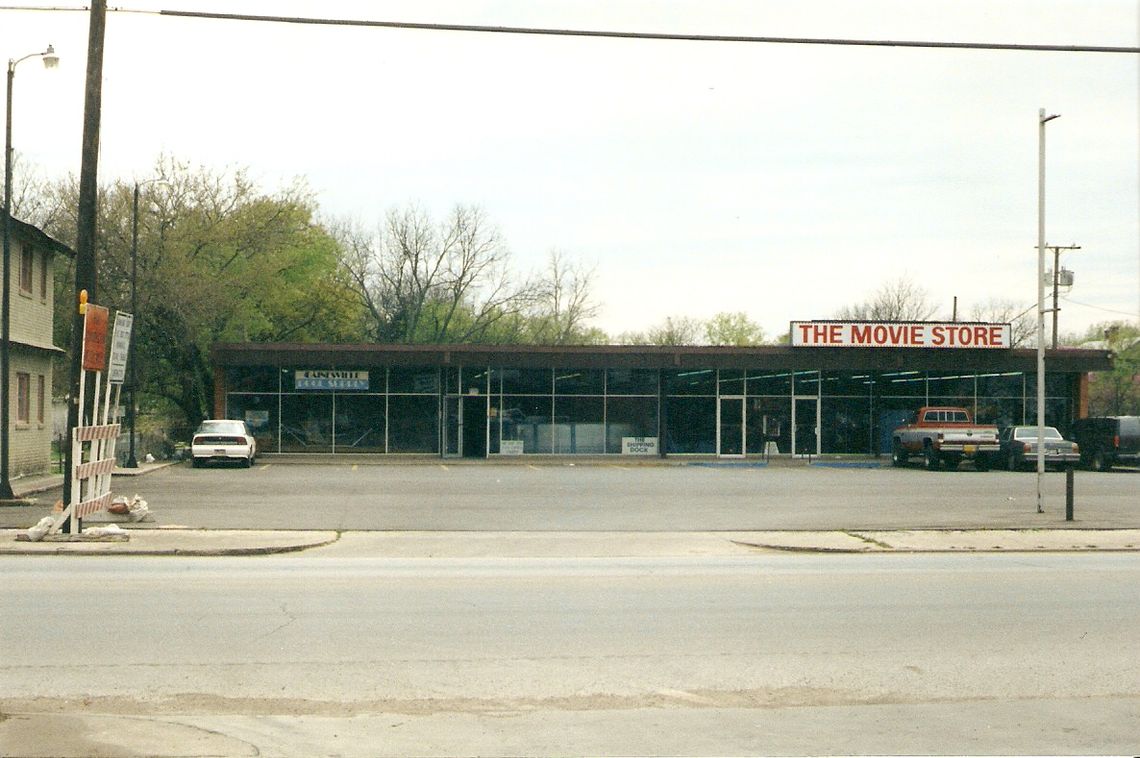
[223,440]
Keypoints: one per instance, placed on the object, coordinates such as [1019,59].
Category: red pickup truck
[943,437]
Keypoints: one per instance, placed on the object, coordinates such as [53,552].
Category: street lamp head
[51,60]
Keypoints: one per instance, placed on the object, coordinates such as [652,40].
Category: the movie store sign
[331,380]
[926,334]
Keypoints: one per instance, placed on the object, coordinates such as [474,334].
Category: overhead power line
[646,35]
[602,33]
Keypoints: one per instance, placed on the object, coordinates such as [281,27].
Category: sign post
[93,440]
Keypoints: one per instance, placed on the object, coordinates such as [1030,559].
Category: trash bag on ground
[37,532]
[138,509]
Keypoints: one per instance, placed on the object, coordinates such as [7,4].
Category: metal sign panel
[95,338]
[331,380]
[120,347]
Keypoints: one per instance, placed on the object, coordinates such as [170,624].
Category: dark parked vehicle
[1019,448]
[1107,441]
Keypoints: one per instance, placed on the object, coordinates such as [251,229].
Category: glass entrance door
[452,426]
[730,423]
[805,425]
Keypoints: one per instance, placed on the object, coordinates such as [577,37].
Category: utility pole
[1056,281]
[85,237]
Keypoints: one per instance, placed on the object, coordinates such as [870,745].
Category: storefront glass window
[413,424]
[579,381]
[474,381]
[413,380]
[252,379]
[697,382]
[629,417]
[360,423]
[768,425]
[950,385]
[731,381]
[306,423]
[806,382]
[529,419]
[631,381]
[1001,385]
[579,427]
[846,384]
[527,381]
[769,383]
[260,413]
[846,425]
[691,425]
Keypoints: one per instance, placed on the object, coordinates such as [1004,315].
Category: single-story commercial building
[813,396]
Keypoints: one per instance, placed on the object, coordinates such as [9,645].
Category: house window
[23,398]
[44,276]
[27,259]
[41,397]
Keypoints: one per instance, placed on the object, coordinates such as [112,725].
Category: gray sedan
[1019,448]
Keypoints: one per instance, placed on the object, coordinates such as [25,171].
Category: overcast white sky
[784,181]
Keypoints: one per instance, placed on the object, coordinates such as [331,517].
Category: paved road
[315,654]
[613,497]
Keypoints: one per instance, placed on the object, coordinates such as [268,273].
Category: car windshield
[1030,433]
[221,427]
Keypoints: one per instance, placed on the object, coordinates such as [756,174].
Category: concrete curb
[175,542]
[215,543]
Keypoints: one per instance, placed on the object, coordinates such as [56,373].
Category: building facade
[486,401]
[31,349]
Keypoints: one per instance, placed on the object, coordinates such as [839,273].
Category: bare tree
[563,303]
[897,300]
[434,283]
[1003,311]
[681,330]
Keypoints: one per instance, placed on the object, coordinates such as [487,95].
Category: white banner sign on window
[639,446]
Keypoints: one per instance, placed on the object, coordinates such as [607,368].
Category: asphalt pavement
[153,538]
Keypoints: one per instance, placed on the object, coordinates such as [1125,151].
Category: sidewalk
[441,545]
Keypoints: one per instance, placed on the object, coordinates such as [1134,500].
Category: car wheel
[950,462]
[982,463]
[1101,462]
[195,463]
[1012,463]
[247,462]
[930,459]
[898,455]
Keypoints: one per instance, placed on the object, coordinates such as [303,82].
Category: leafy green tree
[733,329]
[219,260]
[1115,392]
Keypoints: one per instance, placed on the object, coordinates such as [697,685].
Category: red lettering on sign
[860,335]
[996,336]
[938,336]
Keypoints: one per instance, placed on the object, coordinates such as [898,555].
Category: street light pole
[51,60]
[1042,119]
[132,462]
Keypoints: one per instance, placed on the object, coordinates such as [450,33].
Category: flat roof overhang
[773,357]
